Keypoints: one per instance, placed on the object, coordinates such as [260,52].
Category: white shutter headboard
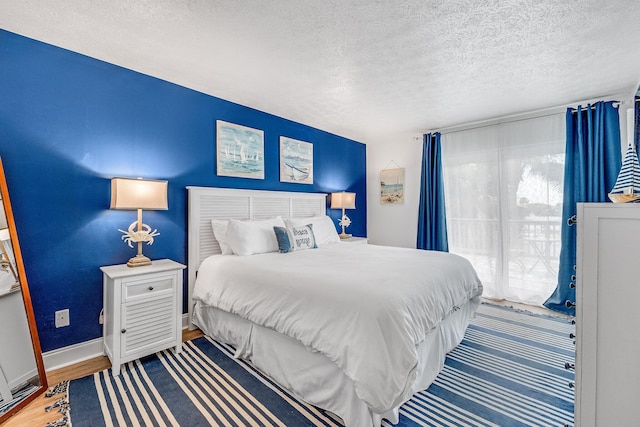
[207,203]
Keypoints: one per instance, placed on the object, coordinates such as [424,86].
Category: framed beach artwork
[296,161]
[240,151]
[392,186]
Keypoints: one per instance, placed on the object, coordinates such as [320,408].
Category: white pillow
[323,228]
[253,237]
[220,233]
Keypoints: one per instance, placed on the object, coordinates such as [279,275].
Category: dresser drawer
[147,288]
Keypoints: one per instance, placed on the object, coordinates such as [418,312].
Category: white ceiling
[364,69]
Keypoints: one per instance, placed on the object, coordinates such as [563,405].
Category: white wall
[394,225]
[397,225]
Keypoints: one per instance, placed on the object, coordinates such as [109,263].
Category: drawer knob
[123,330]
[150,288]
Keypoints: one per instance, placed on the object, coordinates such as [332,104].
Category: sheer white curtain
[503,192]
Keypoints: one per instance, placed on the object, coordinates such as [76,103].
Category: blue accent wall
[69,123]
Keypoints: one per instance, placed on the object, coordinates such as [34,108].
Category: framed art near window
[240,151]
[296,161]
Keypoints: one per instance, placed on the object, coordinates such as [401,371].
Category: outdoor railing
[537,240]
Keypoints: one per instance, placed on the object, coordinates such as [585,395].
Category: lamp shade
[343,200]
[131,193]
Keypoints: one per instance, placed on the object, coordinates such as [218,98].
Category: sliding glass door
[503,192]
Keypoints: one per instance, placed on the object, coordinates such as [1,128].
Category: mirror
[22,376]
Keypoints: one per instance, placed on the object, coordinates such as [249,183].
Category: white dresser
[142,310]
[608,315]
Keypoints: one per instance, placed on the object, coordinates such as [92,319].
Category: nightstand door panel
[148,324]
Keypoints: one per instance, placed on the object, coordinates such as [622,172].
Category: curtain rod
[615,104]
[545,112]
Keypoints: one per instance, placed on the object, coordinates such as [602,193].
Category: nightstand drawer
[147,288]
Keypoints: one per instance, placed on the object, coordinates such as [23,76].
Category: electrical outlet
[62,318]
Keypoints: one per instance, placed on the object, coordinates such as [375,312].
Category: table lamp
[343,201]
[138,194]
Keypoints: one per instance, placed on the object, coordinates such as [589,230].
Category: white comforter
[364,307]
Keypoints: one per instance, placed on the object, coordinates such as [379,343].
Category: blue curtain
[592,161]
[432,221]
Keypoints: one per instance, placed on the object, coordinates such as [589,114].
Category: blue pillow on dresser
[295,238]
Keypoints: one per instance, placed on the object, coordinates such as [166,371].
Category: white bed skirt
[315,379]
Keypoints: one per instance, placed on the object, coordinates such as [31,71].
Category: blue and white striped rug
[508,371]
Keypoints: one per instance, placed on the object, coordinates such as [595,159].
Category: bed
[353,329]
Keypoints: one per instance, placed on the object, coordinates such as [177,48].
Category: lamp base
[344,236]
[138,261]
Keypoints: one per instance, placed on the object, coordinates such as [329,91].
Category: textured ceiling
[366,70]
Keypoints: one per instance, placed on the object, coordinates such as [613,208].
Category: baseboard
[76,353]
[65,356]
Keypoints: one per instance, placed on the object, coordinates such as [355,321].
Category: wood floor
[35,415]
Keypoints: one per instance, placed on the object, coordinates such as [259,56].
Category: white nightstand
[360,240]
[142,310]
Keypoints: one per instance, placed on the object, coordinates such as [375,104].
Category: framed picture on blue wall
[239,151]
[296,161]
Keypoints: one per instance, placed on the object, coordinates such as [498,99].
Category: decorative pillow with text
[295,238]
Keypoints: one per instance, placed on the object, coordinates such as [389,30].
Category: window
[503,192]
